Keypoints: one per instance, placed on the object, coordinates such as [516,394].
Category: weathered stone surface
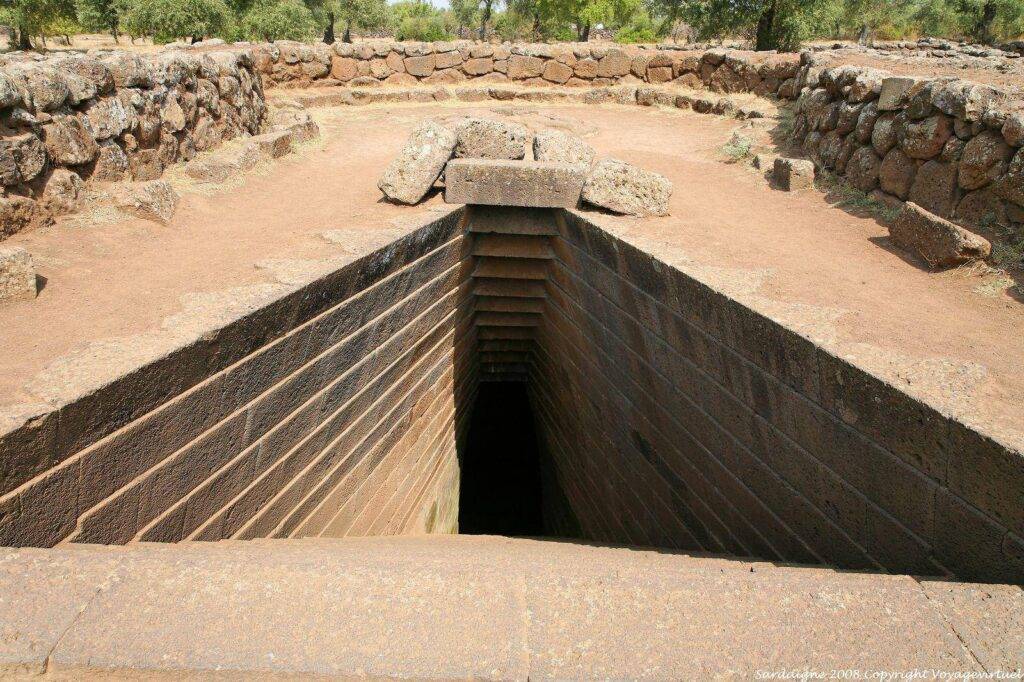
[939,242]
[478,66]
[17,274]
[322,607]
[274,144]
[486,138]
[981,208]
[111,162]
[562,147]
[624,188]
[896,174]
[1011,185]
[494,182]
[343,68]
[935,187]
[61,191]
[983,160]
[16,213]
[615,63]
[885,133]
[68,142]
[420,66]
[418,165]
[862,169]
[22,157]
[792,175]
[924,139]
[109,117]
[154,200]
[556,72]
[521,67]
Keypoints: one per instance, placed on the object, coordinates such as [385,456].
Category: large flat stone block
[491,182]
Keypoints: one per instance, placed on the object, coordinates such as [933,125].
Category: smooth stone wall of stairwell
[669,415]
[674,416]
[334,411]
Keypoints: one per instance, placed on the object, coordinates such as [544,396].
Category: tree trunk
[862,35]
[536,25]
[329,29]
[983,31]
[24,42]
[764,28]
[585,32]
[347,36]
[113,31]
[196,39]
[484,18]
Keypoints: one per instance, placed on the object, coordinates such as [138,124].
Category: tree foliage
[170,20]
[278,20]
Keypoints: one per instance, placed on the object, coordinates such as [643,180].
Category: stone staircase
[512,248]
[446,607]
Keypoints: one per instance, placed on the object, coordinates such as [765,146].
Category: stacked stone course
[71,118]
[952,147]
[569,64]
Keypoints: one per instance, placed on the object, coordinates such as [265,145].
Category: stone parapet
[67,119]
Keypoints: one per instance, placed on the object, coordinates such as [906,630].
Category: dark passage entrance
[500,491]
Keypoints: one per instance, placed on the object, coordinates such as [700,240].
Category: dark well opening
[500,491]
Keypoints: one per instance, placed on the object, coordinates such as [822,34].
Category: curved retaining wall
[571,64]
[71,118]
[671,415]
[953,147]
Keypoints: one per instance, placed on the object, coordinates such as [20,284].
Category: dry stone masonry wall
[72,118]
[952,147]
[582,64]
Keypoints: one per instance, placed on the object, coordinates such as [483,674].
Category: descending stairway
[512,248]
[446,607]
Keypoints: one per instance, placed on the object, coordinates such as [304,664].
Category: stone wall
[675,416]
[570,64]
[335,410]
[951,146]
[66,119]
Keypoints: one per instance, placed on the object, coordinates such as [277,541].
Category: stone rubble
[562,147]
[17,274]
[623,188]
[792,175]
[485,138]
[938,241]
[154,200]
[419,164]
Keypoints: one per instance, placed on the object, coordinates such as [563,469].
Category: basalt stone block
[493,182]
[793,174]
[622,188]
[17,274]
[940,242]
[562,147]
[155,200]
[413,172]
[484,138]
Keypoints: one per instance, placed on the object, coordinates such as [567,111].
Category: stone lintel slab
[536,184]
